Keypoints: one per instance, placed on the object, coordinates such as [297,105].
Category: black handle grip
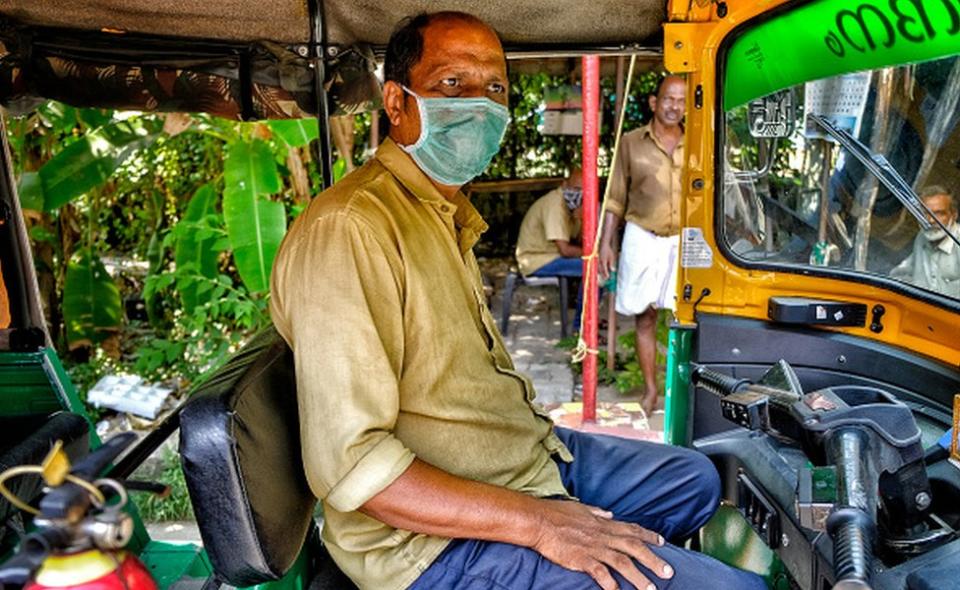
[91,466]
[717,383]
[33,550]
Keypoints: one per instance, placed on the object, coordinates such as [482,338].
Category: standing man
[548,244]
[435,468]
[645,191]
[934,263]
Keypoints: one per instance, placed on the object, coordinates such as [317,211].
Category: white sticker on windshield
[694,250]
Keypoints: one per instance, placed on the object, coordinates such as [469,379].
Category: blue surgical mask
[573,197]
[458,137]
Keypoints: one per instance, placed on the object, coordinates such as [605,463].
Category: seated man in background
[934,263]
[549,235]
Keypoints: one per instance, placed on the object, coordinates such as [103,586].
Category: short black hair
[405,48]
[663,80]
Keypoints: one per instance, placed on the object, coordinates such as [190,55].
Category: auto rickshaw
[810,358]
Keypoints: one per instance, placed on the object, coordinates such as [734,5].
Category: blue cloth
[565,267]
[560,267]
[671,490]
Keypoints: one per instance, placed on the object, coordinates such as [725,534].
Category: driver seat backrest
[240,451]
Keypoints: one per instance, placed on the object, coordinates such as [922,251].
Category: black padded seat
[240,451]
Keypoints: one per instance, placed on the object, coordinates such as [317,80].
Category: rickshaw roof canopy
[522,24]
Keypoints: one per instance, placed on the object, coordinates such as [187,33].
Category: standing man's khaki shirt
[378,293]
[548,219]
[646,183]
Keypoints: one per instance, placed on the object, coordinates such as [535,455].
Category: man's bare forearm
[428,500]
[568,250]
[611,222]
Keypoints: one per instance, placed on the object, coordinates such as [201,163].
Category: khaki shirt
[646,183]
[377,291]
[547,220]
[935,267]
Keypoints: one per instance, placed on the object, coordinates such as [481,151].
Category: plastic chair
[515,279]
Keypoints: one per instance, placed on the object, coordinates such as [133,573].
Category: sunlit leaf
[91,160]
[92,310]
[339,169]
[295,132]
[193,248]
[254,224]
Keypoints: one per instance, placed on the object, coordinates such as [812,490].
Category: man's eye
[497,88]
[450,82]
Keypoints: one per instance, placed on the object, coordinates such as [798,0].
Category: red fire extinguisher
[81,527]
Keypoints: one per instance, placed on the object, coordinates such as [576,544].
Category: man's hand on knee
[587,539]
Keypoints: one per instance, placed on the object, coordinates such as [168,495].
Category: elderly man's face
[942,208]
[668,107]
[460,59]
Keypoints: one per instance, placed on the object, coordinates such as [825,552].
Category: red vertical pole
[591,137]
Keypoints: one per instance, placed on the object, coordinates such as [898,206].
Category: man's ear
[393,99]
[652,101]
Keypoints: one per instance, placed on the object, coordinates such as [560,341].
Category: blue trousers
[560,267]
[565,267]
[671,490]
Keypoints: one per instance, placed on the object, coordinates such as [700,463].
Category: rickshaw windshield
[847,160]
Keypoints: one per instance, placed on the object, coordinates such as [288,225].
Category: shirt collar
[647,131]
[405,170]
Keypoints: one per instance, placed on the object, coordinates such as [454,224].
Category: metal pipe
[591,190]
[318,45]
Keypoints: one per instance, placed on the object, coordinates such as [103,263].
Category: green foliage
[30,190]
[627,375]
[199,239]
[174,506]
[91,301]
[295,132]
[255,225]
[88,162]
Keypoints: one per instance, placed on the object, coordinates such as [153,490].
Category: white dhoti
[647,272]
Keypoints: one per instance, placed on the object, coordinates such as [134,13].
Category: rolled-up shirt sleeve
[338,302]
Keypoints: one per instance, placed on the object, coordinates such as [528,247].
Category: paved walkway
[532,337]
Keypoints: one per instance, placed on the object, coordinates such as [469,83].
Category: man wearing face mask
[645,191]
[547,245]
[435,469]
[934,263]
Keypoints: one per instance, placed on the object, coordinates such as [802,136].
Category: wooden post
[612,297]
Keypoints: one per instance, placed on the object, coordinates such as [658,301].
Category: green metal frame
[729,538]
[33,383]
[677,420]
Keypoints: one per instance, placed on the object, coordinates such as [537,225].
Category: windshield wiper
[880,167]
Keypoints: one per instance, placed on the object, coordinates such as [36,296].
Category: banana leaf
[196,249]
[255,225]
[295,132]
[91,160]
[31,191]
[92,310]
